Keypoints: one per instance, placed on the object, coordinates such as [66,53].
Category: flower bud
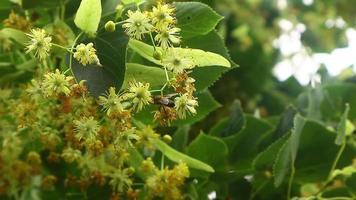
[130,171]
[110,26]
[33,158]
[167,139]
[157,55]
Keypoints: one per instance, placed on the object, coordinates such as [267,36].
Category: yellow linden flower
[140,95]
[176,62]
[56,83]
[167,35]
[111,102]
[162,15]
[137,24]
[40,43]
[87,128]
[86,54]
[184,104]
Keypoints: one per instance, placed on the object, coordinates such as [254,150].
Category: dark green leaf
[195,18]
[233,124]
[180,138]
[215,155]
[111,49]
[28,4]
[341,129]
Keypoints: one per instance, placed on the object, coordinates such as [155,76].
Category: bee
[166,100]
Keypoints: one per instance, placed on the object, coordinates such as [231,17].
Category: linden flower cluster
[135,98]
[165,183]
[55,124]
[86,54]
[160,25]
[40,43]
[159,21]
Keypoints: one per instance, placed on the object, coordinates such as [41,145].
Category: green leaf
[153,75]
[109,6]
[282,165]
[88,16]
[299,123]
[288,153]
[336,96]
[127,2]
[285,123]
[215,156]
[111,50]
[247,140]
[177,156]
[315,157]
[195,18]
[28,4]
[341,129]
[180,138]
[265,159]
[214,43]
[15,34]
[234,123]
[201,58]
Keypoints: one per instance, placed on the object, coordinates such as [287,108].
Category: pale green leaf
[88,16]
[136,72]
[177,156]
[201,58]
[15,34]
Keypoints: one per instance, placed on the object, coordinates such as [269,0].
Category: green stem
[121,22]
[333,167]
[62,47]
[337,158]
[153,42]
[166,72]
[71,56]
[162,162]
[290,182]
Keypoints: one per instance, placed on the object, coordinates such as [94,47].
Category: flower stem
[162,162]
[71,56]
[153,42]
[290,182]
[62,47]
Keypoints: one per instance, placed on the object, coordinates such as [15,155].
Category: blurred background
[283,47]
